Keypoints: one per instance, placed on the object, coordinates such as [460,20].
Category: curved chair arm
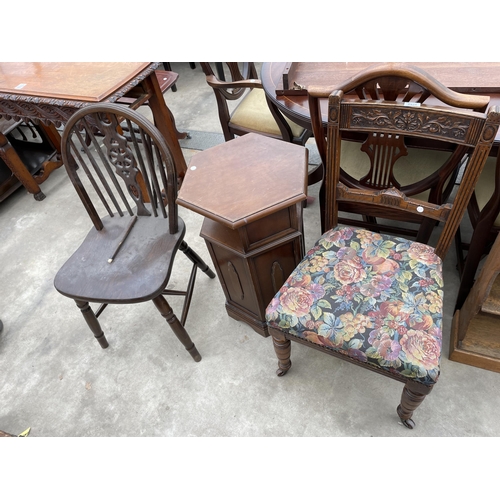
[224,87]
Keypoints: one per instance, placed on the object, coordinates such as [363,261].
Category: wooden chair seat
[88,275]
[253,114]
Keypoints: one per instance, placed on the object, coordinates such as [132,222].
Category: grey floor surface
[55,378]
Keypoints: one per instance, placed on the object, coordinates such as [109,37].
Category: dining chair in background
[128,185]
[425,170]
[369,298]
[243,107]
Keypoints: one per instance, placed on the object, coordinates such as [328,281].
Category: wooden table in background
[50,93]
[470,78]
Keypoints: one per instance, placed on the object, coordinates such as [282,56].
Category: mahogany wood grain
[82,81]
[466,77]
[244,180]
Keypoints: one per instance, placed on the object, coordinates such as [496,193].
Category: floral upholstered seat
[375,298]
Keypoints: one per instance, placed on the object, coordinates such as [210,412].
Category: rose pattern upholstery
[373,297]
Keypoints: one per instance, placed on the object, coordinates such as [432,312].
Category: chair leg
[410,401]
[166,311]
[282,348]
[93,322]
[196,259]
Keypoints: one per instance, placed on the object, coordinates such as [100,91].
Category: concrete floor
[57,380]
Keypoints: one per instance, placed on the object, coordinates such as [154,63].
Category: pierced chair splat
[369,298]
[128,185]
[419,167]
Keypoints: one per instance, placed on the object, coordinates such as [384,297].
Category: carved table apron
[50,93]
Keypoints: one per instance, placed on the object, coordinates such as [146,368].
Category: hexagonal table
[250,191]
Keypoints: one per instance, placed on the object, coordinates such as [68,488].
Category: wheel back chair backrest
[369,298]
[423,169]
[125,176]
[242,110]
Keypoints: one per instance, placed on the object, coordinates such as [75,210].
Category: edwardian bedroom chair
[127,184]
[425,170]
[365,297]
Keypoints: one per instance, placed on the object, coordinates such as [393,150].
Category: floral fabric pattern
[372,297]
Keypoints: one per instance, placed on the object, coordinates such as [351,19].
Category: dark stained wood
[384,146]
[250,191]
[123,172]
[235,183]
[30,153]
[483,221]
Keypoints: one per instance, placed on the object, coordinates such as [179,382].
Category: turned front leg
[180,332]
[93,322]
[410,401]
[282,348]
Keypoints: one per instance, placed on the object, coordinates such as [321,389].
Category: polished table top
[234,183]
[467,77]
[50,93]
[89,82]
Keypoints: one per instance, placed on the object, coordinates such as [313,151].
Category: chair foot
[39,196]
[281,372]
[194,353]
[409,423]
[93,322]
[180,332]
[410,401]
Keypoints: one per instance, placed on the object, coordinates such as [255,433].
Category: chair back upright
[120,164]
[471,130]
